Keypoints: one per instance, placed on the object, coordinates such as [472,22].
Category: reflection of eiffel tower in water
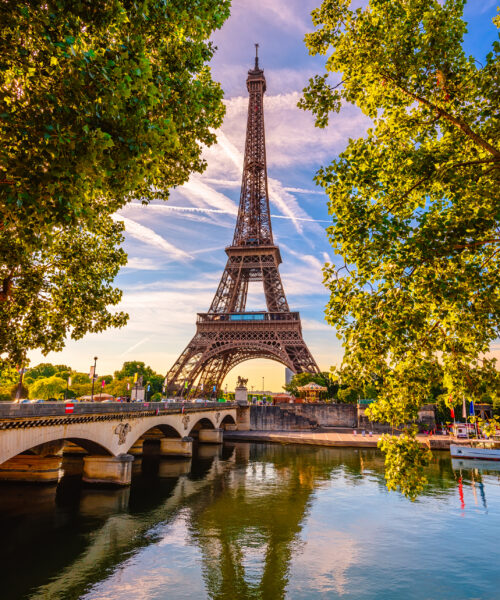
[228,334]
[248,539]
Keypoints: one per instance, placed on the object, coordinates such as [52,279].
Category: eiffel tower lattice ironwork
[227,334]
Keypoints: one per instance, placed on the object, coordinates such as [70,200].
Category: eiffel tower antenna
[228,334]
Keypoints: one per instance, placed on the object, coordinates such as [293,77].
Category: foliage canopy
[100,103]
[415,204]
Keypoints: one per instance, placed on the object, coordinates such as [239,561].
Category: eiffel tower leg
[243,293]
[214,371]
[302,359]
[273,290]
[183,367]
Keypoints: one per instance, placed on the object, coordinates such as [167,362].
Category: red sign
[69,408]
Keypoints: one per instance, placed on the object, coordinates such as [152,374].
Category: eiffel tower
[228,334]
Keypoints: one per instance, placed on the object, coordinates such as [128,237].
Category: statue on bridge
[242,382]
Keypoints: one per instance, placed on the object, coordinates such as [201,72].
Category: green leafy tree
[405,461]
[9,382]
[100,102]
[129,369]
[324,379]
[48,387]
[120,387]
[80,378]
[63,290]
[79,389]
[40,371]
[415,203]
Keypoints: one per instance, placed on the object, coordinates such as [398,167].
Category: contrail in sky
[226,212]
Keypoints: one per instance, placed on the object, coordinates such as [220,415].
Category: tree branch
[464,127]
[474,244]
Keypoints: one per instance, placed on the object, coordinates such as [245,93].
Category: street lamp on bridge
[93,373]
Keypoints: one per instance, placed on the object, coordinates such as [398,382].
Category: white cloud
[314,325]
[291,137]
[148,236]
[143,264]
[283,200]
[136,345]
[303,191]
[195,188]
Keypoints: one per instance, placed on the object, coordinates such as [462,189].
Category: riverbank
[329,438]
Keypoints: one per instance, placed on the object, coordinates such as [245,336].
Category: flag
[149,387]
[128,386]
[135,377]
[103,383]
[215,388]
[471,408]
[464,409]
[201,387]
[452,413]
[92,372]
[185,385]
[69,382]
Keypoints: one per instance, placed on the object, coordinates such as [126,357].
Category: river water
[255,521]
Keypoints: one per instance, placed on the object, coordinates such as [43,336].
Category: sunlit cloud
[147,236]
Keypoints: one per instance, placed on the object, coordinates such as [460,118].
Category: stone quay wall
[301,417]
[290,417]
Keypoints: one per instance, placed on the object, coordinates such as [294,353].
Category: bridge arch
[93,443]
[203,423]
[227,420]
[169,430]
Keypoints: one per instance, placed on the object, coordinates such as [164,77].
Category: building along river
[255,521]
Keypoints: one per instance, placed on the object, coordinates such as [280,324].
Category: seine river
[252,521]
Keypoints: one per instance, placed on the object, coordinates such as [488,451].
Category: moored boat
[476,449]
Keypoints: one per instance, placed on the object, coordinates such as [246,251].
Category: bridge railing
[9,410]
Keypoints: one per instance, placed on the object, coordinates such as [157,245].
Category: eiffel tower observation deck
[228,334]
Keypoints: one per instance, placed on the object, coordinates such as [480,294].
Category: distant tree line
[349,393]
[47,381]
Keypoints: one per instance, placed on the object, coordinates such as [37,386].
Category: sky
[176,249]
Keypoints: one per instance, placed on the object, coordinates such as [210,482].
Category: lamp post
[19,390]
[263,389]
[93,379]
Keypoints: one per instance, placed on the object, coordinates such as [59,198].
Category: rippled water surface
[251,521]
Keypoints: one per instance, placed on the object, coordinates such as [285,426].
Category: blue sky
[176,250]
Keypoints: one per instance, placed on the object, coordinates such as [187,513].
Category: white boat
[476,449]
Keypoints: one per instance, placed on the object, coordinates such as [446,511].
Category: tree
[47,387]
[324,379]
[130,368]
[415,203]
[39,371]
[80,378]
[101,102]
[120,387]
[64,289]
[9,380]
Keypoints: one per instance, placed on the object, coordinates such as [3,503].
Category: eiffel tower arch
[227,334]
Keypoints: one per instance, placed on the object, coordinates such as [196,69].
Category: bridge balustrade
[9,410]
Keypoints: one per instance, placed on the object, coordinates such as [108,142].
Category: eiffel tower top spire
[253,226]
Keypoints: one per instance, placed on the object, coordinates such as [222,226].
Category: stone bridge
[33,437]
